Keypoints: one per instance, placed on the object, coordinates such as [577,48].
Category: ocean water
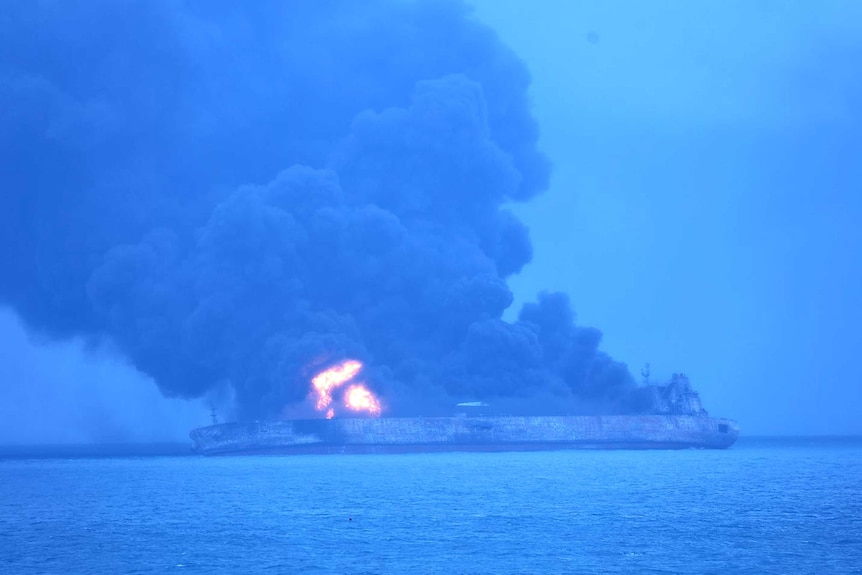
[789,506]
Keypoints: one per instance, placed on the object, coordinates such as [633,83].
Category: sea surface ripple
[791,506]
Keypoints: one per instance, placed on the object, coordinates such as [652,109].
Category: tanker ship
[676,421]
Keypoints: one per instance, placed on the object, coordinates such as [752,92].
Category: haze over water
[687,176]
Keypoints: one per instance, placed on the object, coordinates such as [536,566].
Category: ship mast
[645,374]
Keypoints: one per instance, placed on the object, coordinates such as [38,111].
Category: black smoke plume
[239,193]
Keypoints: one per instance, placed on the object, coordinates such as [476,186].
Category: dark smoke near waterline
[238,194]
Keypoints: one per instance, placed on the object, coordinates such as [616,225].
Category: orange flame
[325,381]
[357,397]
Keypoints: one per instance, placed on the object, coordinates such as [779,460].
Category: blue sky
[703,213]
[706,199]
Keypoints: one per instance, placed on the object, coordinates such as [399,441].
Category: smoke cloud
[238,194]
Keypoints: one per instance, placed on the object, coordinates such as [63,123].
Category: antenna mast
[645,374]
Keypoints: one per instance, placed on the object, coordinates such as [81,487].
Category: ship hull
[436,434]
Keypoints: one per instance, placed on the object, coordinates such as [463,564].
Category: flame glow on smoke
[326,381]
[360,398]
[357,397]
